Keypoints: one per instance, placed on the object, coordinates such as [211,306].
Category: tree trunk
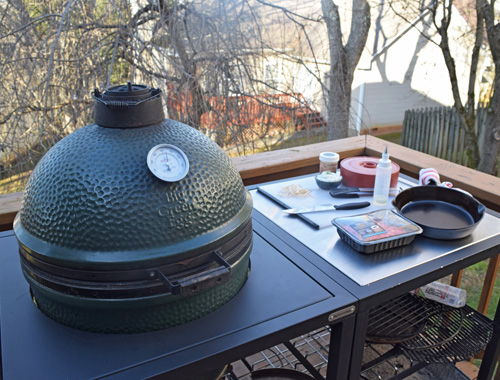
[190,76]
[339,102]
[343,62]
[491,133]
[466,116]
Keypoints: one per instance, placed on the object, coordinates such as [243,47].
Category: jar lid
[329,157]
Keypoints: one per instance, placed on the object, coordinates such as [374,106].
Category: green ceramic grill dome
[107,246]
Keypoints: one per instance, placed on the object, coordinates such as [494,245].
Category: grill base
[138,314]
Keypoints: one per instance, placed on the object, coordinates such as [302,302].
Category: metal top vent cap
[128,106]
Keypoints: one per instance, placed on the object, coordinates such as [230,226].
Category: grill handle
[199,282]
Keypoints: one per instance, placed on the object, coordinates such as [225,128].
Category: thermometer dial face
[168,163]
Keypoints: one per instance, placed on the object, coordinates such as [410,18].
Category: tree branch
[360,25]
[35,21]
[478,41]
[287,11]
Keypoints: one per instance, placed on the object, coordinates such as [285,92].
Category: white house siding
[410,73]
[304,80]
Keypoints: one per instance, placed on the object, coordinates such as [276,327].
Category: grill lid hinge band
[200,281]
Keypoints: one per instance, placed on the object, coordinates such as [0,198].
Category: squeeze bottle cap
[384,161]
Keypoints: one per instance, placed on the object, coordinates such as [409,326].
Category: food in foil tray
[376,231]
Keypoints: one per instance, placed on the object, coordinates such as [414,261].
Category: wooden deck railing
[290,162]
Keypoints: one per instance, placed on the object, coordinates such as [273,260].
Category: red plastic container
[360,171]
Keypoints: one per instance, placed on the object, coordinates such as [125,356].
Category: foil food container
[376,231]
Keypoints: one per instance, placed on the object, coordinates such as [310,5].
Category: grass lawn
[472,282]
[392,137]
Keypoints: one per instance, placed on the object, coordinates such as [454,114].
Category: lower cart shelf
[428,331]
[426,340]
[307,354]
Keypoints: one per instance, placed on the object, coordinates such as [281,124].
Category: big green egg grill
[133,223]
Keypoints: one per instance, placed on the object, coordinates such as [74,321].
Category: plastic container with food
[376,231]
[328,180]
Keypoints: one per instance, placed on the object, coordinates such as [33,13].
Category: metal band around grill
[203,272]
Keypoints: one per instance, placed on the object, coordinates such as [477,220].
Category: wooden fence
[249,110]
[437,131]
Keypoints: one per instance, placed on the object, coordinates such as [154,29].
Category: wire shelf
[421,349]
[430,332]
[313,347]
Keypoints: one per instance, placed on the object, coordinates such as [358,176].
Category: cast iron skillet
[443,213]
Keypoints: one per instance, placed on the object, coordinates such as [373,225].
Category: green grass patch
[472,282]
[392,137]
[301,141]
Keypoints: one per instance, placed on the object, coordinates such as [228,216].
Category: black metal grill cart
[279,302]
[380,278]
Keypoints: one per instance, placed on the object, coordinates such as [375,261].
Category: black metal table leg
[358,345]
[340,349]
[492,352]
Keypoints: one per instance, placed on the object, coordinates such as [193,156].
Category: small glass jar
[328,162]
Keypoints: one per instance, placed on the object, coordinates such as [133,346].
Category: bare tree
[207,56]
[441,13]
[54,52]
[343,61]
[306,51]
[491,143]
[41,74]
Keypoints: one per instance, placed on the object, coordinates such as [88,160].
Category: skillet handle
[480,208]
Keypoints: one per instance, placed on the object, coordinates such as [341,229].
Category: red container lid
[360,171]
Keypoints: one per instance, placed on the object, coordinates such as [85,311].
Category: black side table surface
[279,301]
